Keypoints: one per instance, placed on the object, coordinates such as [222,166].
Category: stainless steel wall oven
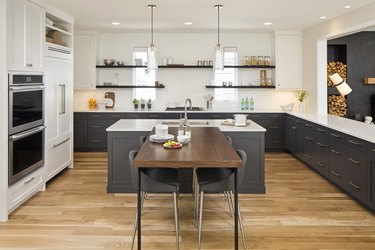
[26,124]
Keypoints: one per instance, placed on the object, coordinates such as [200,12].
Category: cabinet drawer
[255,117]
[355,183]
[97,116]
[25,188]
[371,150]
[336,136]
[155,116]
[356,143]
[273,116]
[308,125]
[220,115]
[273,140]
[323,131]
[80,116]
[97,126]
[97,140]
[114,116]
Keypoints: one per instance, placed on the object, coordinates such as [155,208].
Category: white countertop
[161,110]
[148,125]
[354,128]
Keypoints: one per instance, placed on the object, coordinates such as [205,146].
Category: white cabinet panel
[84,61]
[288,60]
[25,35]
[58,157]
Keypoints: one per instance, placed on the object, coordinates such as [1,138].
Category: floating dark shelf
[128,87]
[239,87]
[186,66]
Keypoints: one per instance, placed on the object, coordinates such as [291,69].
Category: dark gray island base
[121,141]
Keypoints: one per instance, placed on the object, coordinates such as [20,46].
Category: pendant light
[152,63]
[340,84]
[219,51]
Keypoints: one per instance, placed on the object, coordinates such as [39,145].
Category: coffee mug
[161,130]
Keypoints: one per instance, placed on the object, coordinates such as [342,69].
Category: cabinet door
[371,175]
[84,61]
[80,134]
[65,97]
[288,60]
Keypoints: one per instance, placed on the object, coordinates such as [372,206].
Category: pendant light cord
[152,6]
[218,24]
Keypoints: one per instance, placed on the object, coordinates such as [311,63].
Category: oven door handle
[27,133]
[27,88]
[62,99]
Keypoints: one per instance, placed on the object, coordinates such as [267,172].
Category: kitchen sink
[192,123]
[183,109]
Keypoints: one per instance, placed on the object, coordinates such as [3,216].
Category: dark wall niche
[359,52]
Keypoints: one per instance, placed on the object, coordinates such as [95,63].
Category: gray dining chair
[155,180]
[220,180]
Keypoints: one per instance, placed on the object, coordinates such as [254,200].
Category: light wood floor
[300,211]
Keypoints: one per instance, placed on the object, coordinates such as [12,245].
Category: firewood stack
[337,105]
[335,67]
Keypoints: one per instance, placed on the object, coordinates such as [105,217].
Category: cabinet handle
[308,156]
[27,182]
[308,125]
[62,99]
[58,144]
[321,130]
[355,186]
[29,65]
[96,116]
[354,161]
[321,145]
[335,173]
[294,127]
[95,126]
[153,116]
[215,116]
[289,118]
[274,127]
[334,135]
[355,143]
[320,164]
[96,141]
[115,116]
[335,152]
[308,138]
[373,150]
[274,141]
[274,116]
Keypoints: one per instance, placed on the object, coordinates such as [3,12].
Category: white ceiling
[170,15]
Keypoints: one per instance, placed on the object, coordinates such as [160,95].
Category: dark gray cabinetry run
[80,131]
[370,173]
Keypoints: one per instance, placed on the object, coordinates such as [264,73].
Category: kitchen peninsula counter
[124,134]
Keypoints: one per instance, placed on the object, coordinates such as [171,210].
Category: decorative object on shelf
[152,63]
[135,103]
[340,84]
[149,103]
[260,61]
[158,84]
[92,103]
[337,105]
[138,61]
[253,61]
[269,81]
[368,119]
[287,107]
[301,97]
[267,61]
[219,51]
[263,77]
[208,99]
[369,80]
[120,63]
[246,60]
[335,67]
[110,96]
[109,62]
[143,103]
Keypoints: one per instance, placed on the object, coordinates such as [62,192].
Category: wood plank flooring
[301,210]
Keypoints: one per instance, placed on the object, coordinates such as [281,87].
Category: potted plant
[135,102]
[301,97]
[149,103]
[143,103]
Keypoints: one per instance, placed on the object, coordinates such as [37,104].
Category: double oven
[26,124]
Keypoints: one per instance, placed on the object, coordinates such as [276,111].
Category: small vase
[301,107]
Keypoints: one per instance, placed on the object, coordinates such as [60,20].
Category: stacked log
[337,105]
[335,67]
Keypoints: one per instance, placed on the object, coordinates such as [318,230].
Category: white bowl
[287,107]
[183,139]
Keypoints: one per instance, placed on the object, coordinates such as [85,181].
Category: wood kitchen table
[208,149]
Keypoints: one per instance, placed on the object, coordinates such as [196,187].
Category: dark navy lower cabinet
[370,174]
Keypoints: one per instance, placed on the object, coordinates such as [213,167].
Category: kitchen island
[124,134]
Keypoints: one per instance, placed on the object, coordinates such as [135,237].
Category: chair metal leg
[200,220]
[176,220]
[241,223]
[143,194]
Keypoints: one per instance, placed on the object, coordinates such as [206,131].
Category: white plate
[159,139]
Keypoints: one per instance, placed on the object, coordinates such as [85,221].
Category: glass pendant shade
[340,84]
[152,63]
[218,57]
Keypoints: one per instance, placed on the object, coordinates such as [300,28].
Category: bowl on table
[184,139]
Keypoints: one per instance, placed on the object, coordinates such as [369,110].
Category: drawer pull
[321,145]
[373,150]
[96,126]
[274,141]
[320,164]
[289,118]
[294,127]
[216,116]
[337,136]
[298,122]
[274,116]
[96,141]
[255,116]
[58,144]
[274,127]
[27,182]
[29,65]
[96,116]
[308,156]
[115,116]
[308,125]
[355,143]
[335,152]
[335,173]
[153,116]
[308,138]
[355,186]
[354,161]
[321,130]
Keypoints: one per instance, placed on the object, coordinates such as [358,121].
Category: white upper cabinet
[25,35]
[84,61]
[288,55]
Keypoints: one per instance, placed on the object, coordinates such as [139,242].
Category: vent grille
[59,50]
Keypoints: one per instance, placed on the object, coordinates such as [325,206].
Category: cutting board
[110,95]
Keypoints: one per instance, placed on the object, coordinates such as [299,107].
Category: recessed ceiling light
[188,23]
[267,23]
[323,17]
[115,23]
[347,6]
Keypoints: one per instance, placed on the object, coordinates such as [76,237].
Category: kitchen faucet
[187,101]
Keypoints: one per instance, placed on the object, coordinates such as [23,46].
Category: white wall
[3,116]
[184,48]
[314,53]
